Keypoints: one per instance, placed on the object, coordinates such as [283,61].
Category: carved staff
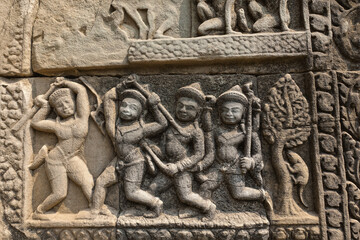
[252,125]
[156,159]
[32,111]
[99,108]
[133,81]
[249,93]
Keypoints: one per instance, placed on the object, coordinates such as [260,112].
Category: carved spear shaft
[156,159]
[248,130]
[32,111]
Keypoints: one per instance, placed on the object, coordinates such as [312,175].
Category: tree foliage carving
[286,124]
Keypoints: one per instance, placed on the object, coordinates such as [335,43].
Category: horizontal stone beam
[288,44]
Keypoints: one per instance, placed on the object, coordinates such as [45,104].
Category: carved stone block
[17,20]
[180,119]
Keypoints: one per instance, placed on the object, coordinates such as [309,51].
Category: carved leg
[118,16]
[79,173]
[284,15]
[160,184]
[143,29]
[238,190]
[229,5]
[256,10]
[213,182]
[107,178]
[212,24]
[265,24]
[151,20]
[132,181]
[59,186]
[183,184]
[163,28]
[242,21]
[205,12]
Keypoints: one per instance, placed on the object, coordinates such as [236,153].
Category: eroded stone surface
[17,18]
[248,132]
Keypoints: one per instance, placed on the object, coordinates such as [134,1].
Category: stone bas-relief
[242,124]
[116,27]
[65,160]
[176,160]
[222,15]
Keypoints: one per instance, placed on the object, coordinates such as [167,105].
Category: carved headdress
[192,91]
[59,93]
[132,93]
[234,94]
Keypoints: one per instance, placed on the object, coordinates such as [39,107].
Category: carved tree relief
[286,124]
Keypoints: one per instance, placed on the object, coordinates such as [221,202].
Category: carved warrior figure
[65,159]
[287,125]
[127,131]
[220,15]
[238,150]
[185,150]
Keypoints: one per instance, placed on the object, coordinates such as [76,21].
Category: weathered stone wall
[179,119]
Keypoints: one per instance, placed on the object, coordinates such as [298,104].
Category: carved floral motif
[346,27]
[11,151]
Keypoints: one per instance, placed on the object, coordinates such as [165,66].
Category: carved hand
[40,101]
[119,166]
[60,81]
[130,80]
[154,99]
[171,169]
[247,163]
[196,168]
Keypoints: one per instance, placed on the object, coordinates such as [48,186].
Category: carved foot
[158,210]
[87,214]
[268,204]
[233,32]
[42,216]
[210,213]
[107,211]
[187,213]
[143,33]
[159,35]
[285,28]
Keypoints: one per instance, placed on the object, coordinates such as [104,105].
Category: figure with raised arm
[66,159]
[127,129]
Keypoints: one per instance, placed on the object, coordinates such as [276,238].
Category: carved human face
[130,109]
[187,109]
[231,112]
[65,106]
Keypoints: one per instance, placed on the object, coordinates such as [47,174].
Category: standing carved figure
[233,159]
[127,130]
[184,151]
[287,125]
[66,159]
